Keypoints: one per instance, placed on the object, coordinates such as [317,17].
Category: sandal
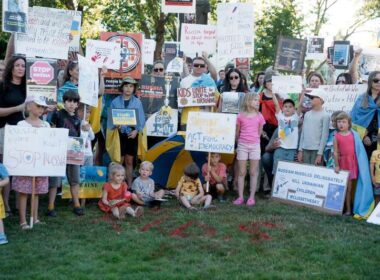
[38,222]
[25,226]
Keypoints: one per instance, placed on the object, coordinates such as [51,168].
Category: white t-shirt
[288,130]
[188,81]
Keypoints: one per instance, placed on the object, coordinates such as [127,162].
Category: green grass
[269,241]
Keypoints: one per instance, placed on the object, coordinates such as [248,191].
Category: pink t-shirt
[249,128]
[221,170]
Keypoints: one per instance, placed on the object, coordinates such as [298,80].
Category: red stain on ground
[179,231]
[151,224]
[255,231]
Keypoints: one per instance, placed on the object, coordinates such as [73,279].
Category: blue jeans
[282,154]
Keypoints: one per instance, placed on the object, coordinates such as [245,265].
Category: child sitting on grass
[143,186]
[115,197]
[189,190]
[216,176]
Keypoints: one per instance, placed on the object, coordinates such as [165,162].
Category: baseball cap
[38,99]
[317,92]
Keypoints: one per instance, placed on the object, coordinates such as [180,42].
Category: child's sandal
[25,226]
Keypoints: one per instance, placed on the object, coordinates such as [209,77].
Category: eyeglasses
[158,69]
[196,65]
[376,81]
[341,82]
[234,78]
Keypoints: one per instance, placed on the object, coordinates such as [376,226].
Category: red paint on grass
[148,226]
[255,230]
[179,231]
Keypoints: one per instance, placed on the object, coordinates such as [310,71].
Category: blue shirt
[3,172]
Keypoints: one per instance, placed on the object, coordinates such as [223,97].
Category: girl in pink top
[344,154]
[248,130]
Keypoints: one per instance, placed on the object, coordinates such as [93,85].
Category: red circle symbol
[41,72]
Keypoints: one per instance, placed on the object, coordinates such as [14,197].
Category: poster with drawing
[173,62]
[315,48]
[103,53]
[199,96]
[75,150]
[163,123]
[341,57]
[76,24]
[15,15]
[290,54]
[369,61]
[88,83]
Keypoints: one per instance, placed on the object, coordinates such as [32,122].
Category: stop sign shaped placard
[41,72]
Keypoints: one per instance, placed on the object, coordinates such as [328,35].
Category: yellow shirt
[375,158]
[189,186]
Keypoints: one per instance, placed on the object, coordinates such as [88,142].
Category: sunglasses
[158,69]
[196,65]
[234,78]
[376,81]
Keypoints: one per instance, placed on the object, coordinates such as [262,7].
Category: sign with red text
[198,37]
[178,6]
[199,96]
[103,53]
[31,151]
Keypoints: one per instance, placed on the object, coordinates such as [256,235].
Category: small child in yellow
[189,190]
[375,172]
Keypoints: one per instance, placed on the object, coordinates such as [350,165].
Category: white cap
[38,99]
[317,92]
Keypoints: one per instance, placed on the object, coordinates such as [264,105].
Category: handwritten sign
[283,85]
[315,48]
[124,117]
[316,187]
[198,37]
[75,29]
[369,61]
[163,123]
[206,132]
[75,150]
[200,96]
[374,218]
[48,34]
[30,151]
[15,15]
[149,47]
[92,179]
[178,6]
[235,30]
[103,53]
[231,102]
[88,83]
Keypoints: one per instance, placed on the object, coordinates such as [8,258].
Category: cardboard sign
[178,6]
[235,30]
[131,64]
[152,93]
[149,46]
[41,79]
[285,85]
[88,83]
[341,97]
[231,102]
[92,179]
[124,117]
[374,218]
[103,53]
[198,37]
[312,186]
[15,15]
[30,151]
[211,132]
[200,96]
[75,150]
[341,57]
[163,123]
[290,54]
[369,61]
[315,47]
[48,34]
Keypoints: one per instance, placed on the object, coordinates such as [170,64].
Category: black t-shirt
[13,96]
[62,119]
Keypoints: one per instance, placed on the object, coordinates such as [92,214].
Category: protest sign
[199,96]
[75,30]
[231,102]
[206,132]
[235,30]
[163,123]
[198,37]
[312,186]
[88,83]
[92,179]
[15,15]
[75,151]
[369,61]
[285,85]
[243,65]
[103,53]
[41,79]
[173,62]
[48,34]
[131,64]
[341,57]
[341,97]
[31,151]
[374,218]
[124,117]
[290,54]
[315,47]
[149,46]
[152,93]
[178,6]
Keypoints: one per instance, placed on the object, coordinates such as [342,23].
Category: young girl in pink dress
[344,154]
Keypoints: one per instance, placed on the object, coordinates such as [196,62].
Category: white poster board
[235,30]
[283,85]
[149,46]
[178,6]
[104,53]
[369,61]
[88,83]
[315,48]
[199,96]
[30,151]
[211,132]
[313,186]
[198,37]
[163,123]
[15,15]
[75,29]
[374,218]
[48,34]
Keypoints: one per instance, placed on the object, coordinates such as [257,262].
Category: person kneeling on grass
[143,186]
[216,176]
[115,196]
[189,190]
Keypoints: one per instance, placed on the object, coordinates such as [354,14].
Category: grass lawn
[269,241]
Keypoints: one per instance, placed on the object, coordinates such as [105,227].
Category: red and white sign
[41,72]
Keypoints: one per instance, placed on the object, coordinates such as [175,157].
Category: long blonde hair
[248,100]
